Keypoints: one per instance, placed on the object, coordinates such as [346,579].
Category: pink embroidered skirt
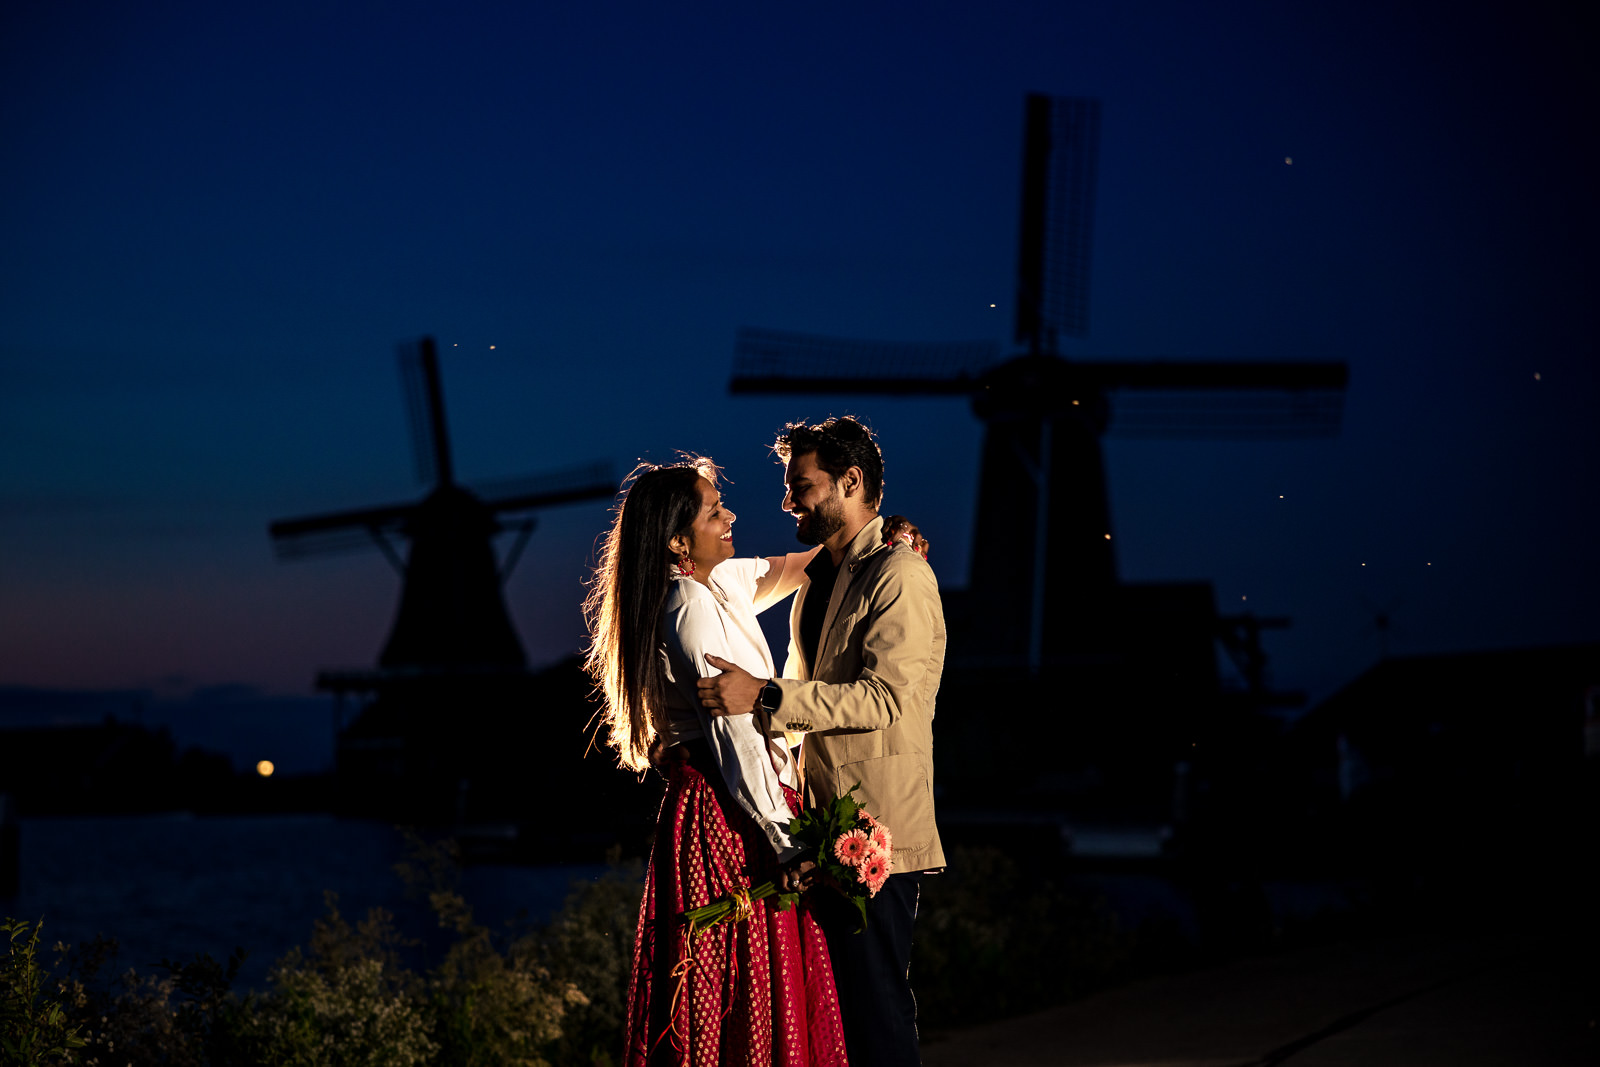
[759,992]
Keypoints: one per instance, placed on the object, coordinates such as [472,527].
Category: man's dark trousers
[870,971]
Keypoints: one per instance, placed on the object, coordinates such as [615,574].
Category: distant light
[1074,403]
[1280,496]
[1108,537]
[265,768]
[1244,598]
[491,348]
[1363,564]
[1536,376]
[991,305]
[1288,161]
[1430,564]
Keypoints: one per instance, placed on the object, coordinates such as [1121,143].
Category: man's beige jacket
[867,709]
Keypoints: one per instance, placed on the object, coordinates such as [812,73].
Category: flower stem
[709,915]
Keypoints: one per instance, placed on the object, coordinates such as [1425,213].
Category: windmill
[453,673]
[1043,580]
[452,611]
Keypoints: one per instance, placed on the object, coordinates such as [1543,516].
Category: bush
[355,997]
[590,946]
[347,1002]
[34,1027]
[991,940]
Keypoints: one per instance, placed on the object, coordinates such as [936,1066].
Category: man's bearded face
[814,499]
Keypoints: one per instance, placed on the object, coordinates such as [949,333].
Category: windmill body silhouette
[446,711]
[1043,578]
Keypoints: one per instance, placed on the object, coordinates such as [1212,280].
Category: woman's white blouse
[722,621]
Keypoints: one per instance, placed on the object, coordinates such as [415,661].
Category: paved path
[1461,1003]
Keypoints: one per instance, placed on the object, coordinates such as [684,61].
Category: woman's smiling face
[711,536]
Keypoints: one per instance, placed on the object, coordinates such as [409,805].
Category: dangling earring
[684,568]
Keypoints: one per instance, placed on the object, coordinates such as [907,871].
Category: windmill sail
[337,531]
[1061,147]
[424,393]
[1239,399]
[1227,415]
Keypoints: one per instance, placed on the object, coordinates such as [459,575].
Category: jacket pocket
[895,789]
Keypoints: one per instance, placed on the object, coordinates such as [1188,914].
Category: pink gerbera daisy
[852,847]
[881,839]
[866,816]
[874,871]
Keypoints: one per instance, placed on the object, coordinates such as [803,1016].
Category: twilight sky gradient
[219,219]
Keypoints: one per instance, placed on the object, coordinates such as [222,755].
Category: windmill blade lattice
[339,542]
[1228,415]
[337,532]
[1211,399]
[359,529]
[1178,374]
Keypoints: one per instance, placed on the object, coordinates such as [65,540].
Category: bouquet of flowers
[850,848]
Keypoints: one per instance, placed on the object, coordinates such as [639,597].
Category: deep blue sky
[220,218]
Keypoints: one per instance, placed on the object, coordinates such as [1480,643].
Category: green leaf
[861,907]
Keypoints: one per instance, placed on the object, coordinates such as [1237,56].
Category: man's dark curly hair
[839,444]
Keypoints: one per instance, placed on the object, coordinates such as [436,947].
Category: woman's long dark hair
[626,596]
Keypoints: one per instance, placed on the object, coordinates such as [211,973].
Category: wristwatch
[772,696]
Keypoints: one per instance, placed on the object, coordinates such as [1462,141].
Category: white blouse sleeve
[739,576]
[740,750]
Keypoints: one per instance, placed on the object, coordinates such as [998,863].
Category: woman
[758,991]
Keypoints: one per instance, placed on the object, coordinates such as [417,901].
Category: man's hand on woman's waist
[733,692]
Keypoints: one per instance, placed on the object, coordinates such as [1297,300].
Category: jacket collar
[867,542]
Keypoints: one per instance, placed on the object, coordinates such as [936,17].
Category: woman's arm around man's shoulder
[784,575]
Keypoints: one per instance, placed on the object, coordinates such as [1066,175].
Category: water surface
[170,886]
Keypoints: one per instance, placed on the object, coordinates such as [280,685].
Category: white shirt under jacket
[722,621]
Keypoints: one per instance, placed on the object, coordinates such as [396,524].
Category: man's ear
[852,481]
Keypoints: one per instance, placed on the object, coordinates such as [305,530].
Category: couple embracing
[690,685]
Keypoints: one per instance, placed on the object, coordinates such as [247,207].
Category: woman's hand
[899,528]
[664,756]
[797,875]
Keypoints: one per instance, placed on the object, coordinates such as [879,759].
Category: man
[866,650]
